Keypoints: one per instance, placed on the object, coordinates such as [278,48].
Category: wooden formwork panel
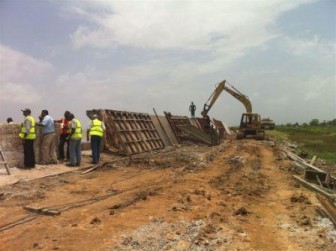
[175,122]
[135,132]
[203,124]
[194,122]
[220,129]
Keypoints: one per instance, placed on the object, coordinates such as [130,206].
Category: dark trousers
[62,141]
[28,152]
[95,147]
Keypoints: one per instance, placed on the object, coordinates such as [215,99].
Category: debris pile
[320,181]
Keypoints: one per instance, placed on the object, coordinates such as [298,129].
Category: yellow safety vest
[78,130]
[97,128]
[31,134]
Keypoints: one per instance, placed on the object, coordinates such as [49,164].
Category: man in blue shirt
[48,139]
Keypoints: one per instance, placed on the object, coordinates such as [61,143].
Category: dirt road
[236,196]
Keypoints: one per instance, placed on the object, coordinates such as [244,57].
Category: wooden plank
[313,160]
[97,166]
[227,129]
[329,207]
[44,211]
[314,188]
[5,162]
[162,128]
[300,160]
[319,181]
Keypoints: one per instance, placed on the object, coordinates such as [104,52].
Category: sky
[134,56]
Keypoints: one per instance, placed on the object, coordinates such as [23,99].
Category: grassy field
[320,141]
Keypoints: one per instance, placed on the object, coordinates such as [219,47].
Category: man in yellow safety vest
[75,139]
[96,132]
[28,135]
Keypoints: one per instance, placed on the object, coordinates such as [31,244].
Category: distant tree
[314,122]
[304,124]
[289,124]
[296,124]
[333,122]
[323,123]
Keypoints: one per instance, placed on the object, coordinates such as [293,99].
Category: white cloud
[18,75]
[223,30]
[314,46]
[85,36]
[16,66]
[21,94]
[319,88]
[189,25]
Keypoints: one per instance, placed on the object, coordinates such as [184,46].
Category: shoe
[69,164]
[28,167]
[77,164]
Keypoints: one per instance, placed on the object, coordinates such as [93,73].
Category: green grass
[320,141]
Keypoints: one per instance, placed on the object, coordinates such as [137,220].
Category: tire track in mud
[243,177]
[107,208]
[208,200]
[263,234]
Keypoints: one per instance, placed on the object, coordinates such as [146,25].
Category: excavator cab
[250,125]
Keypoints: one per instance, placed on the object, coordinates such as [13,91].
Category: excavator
[250,123]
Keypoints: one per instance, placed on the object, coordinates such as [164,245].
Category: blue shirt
[48,125]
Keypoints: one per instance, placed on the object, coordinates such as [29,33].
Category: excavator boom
[233,91]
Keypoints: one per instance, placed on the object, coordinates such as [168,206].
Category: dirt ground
[239,195]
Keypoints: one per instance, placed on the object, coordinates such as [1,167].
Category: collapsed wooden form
[133,132]
[196,129]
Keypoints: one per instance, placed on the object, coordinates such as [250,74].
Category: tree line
[314,122]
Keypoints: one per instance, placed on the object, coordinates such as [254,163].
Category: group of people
[71,134]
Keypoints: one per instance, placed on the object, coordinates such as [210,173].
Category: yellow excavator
[250,123]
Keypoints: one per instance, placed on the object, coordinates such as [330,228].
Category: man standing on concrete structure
[192,109]
[48,139]
[96,132]
[75,139]
[28,135]
[65,124]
